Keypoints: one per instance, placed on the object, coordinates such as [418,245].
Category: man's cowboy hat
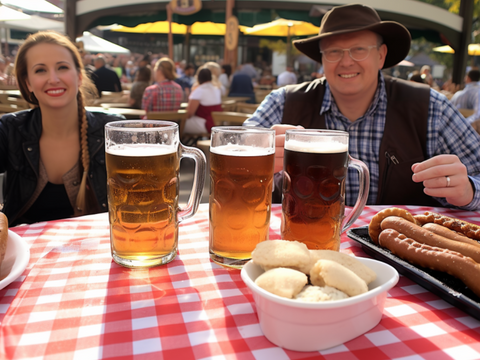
[355,17]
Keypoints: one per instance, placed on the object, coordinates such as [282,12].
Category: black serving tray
[442,284]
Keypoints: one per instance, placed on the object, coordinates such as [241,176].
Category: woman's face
[52,75]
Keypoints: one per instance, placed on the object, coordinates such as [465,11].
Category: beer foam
[137,150]
[241,150]
[322,147]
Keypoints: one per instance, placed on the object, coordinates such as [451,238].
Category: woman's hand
[280,130]
[435,172]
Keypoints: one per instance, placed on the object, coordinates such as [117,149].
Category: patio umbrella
[161,27]
[35,23]
[283,27]
[34,5]
[96,44]
[6,14]
[473,49]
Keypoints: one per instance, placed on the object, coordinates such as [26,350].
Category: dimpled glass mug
[241,180]
[143,162]
[314,173]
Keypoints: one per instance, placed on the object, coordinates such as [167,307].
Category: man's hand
[280,143]
[434,172]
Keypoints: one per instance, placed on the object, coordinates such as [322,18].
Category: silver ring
[448,180]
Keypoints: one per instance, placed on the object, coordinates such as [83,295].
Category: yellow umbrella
[283,27]
[473,49]
[161,27]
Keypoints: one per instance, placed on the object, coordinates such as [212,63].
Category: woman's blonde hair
[86,89]
[215,69]
[167,67]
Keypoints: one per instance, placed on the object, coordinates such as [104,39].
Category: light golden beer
[241,179]
[313,202]
[142,198]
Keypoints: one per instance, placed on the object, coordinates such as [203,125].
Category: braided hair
[86,90]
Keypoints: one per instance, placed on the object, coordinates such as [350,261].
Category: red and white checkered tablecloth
[74,302]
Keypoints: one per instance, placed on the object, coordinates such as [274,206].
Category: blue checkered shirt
[448,133]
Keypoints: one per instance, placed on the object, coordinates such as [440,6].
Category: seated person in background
[287,77]
[105,79]
[142,81]
[216,71]
[61,171]
[440,166]
[225,76]
[203,100]
[186,79]
[469,97]
[241,85]
[267,78]
[165,94]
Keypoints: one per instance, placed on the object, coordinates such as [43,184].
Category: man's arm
[270,111]
[454,148]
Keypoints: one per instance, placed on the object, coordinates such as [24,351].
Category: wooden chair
[6,99]
[261,94]
[476,126]
[9,108]
[243,107]
[180,117]
[229,105]
[466,112]
[222,118]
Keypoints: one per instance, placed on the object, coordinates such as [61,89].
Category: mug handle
[198,181]
[364,178]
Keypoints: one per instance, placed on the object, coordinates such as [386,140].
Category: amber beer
[241,179]
[314,193]
[142,198]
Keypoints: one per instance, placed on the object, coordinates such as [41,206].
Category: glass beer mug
[241,180]
[143,162]
[314,172]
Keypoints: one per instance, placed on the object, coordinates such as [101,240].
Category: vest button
[104,205]
[29,149]
[91,176]
[75,183]
[99,140]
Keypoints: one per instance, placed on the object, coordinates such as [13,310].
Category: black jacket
[20,157]
[106,79]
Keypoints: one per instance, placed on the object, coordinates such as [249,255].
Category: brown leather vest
[404,137]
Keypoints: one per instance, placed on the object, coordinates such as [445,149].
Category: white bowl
[304,326]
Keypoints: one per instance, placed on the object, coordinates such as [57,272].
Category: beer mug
[315,167]
[241,179]
[143,162]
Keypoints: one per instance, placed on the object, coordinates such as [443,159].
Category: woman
[166,94]
[225,76]
[142,81]
[203,100]
[53,154]
[215,70]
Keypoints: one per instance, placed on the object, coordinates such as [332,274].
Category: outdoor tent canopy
[96,44]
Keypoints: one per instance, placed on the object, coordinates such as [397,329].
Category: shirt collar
[380,96]
[473,84]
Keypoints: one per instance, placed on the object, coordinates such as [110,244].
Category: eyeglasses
[357,53]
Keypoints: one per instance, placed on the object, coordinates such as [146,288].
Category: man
[418,149]
[287,77]
[186,80]
[469,98]
[104,78]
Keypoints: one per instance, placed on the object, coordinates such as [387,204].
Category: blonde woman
[53,154]
[165,94]
[216,71]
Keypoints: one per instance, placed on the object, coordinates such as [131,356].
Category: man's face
[348,78]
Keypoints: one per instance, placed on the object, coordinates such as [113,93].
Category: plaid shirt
[164,96]
[448,133]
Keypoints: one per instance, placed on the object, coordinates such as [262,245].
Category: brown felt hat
[355,17]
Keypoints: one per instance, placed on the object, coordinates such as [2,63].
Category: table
[73,302]
[128,113]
